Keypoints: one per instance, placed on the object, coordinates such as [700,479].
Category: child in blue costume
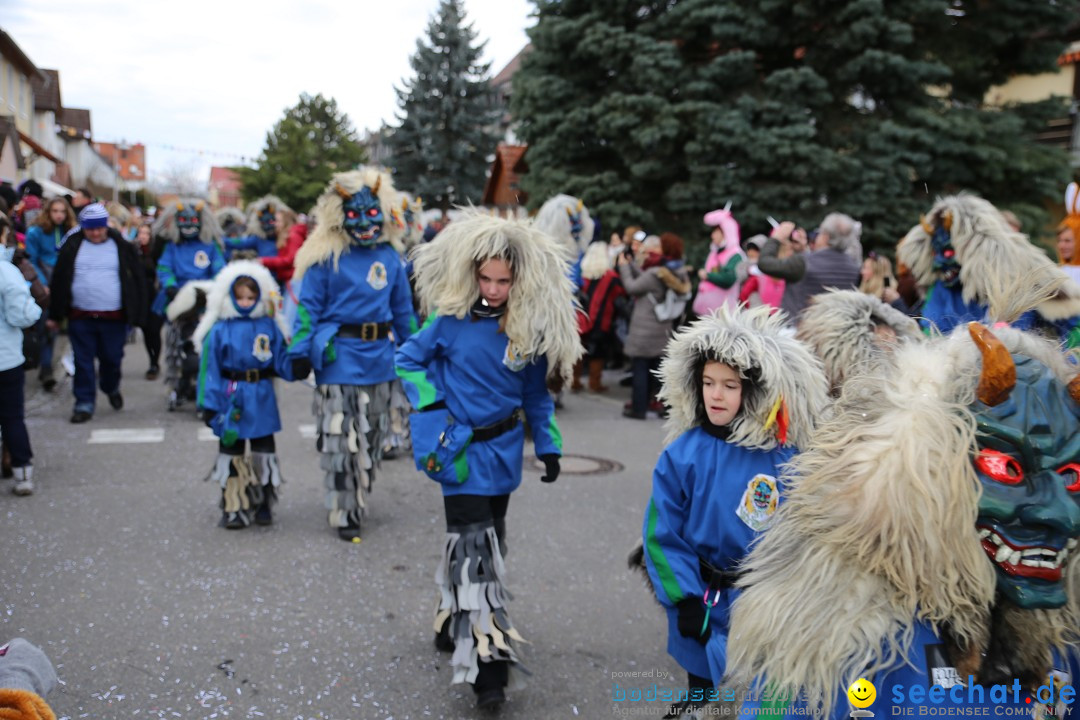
[354,307]
[242,340]
[927,543]
[191,236]
[743,396]
[500,323]
[234,238]
[967,260]
[268,219]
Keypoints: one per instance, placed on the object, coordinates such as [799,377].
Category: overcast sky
[215,75]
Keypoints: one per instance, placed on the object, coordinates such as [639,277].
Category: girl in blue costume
[268,220]
[242,340]
[967,260]
[501,323]
[743,396]
[928,543]
[355,306]
[191,238]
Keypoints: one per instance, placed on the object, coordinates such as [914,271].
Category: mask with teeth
[1029,466]
[363,218]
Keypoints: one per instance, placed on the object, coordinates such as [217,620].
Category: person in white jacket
[17,311]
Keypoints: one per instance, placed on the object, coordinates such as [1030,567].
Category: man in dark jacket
[98,286]
[832,264]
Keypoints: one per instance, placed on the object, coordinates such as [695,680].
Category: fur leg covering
[351,421]
[240,488]
[174,354]
[471,578]
[267,476]
[398,435]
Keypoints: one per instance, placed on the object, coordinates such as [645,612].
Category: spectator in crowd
[281,265]
[99,287]
[80,200]
[878,281]
[144,244]
[601,295]
[1068,258]
[661,269]
[829,265]
[755,287]
[43,240]
[18,310]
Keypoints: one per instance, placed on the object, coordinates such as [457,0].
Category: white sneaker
[24,480]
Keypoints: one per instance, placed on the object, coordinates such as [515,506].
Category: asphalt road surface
[117,569]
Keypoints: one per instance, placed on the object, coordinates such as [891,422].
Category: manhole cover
[580,465]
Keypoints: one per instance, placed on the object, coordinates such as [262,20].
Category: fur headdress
[165,224]
[329,240]
[879,529]
[540,314]
[554,219]
[219,305]
[596,262]
[230,214]
[788,393]
[254,227]
[998,266]
[839,327]
[412,233]
[191,298]
[118,213]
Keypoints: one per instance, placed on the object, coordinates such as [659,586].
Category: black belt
[253,375]
[366,331]
[717,579]
[490,432]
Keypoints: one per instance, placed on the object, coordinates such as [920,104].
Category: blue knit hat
[94,215]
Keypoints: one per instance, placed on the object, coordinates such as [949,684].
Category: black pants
[152,337]
[12,414]
[646,384]
[464,510]
[264,444]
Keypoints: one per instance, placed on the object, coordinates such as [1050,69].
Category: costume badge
[1057,708]
[262,351]
[940,668]
[376,276]
[513,360]
[202,260]
[759,502]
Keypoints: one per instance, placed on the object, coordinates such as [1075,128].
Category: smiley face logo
[862,693]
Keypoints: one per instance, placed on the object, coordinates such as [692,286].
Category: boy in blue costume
[192,237]
[928,542]
[242,340]
[354,307]
[268,219]
[501,323]
[743,396]
[967,259]
[234,239]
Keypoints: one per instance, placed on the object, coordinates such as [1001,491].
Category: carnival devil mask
[575,220]
[1028,464]
[188,223]
[945,264]
[363,216]
[268,221]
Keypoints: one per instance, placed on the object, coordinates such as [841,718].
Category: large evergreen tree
[312,142]
[655,112]
[448,115]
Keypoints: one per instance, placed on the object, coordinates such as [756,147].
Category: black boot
[490,685]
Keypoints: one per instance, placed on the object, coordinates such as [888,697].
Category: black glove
[301,368]
[170,292]
[551,468]
[208,417]
[691,617]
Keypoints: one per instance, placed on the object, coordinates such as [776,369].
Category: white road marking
[206,435]
[116,436]
[307,431]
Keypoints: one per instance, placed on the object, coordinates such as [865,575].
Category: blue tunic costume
[466,364]
[184,261]
[368,286]
[710,500]
[238,345]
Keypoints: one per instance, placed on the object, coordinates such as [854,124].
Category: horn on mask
[998,377]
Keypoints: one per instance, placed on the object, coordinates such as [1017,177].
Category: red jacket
[282,263]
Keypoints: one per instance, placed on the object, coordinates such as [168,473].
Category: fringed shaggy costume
[242,350]
[473,373]
[355,306]
[927,542]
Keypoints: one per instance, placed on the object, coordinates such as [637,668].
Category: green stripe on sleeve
[203,362]
[425,391]
[556,435]
[656,554]
[305,324]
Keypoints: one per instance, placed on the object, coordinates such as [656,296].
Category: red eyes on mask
[1006,470]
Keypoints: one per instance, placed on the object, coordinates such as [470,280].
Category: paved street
[117,569]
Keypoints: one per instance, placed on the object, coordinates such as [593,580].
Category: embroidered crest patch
[759,502]
[1056,707]
[201,260]
[376,276]
[262,351]
[514,360]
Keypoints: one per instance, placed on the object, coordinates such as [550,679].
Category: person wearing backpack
[601,296]
[661,289]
